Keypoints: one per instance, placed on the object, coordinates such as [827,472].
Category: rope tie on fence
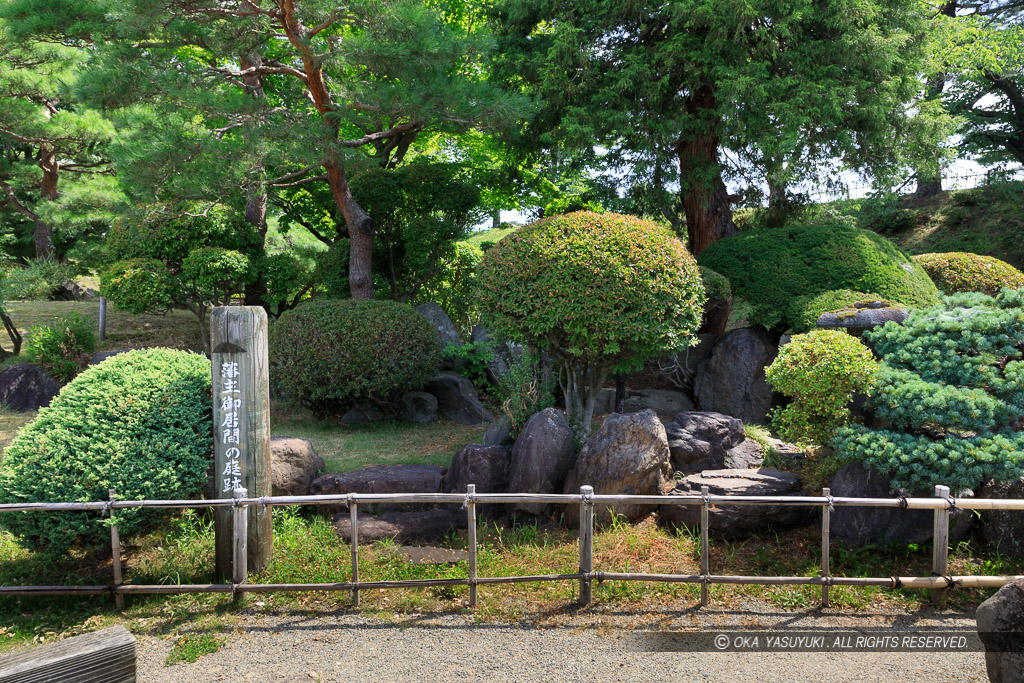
[896,583]
[263,502]
[830,580]
[108,505]
[469,498]
[903,503]
[587,497]
[831,505]
[599,576]
[950,583]
[348,501]
[952,504]
[705,498]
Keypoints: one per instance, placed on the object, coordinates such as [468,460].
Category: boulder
[446,332]
[361,414]
[861,317]
[748,454]
[1000,625]
[485,466]
[1004,529]
[541,458]
[604,403]
[499,433]
[861,526]
[627,456]
[403,527]
[738,521]
[25,387]
[457,399]
[664,402]
[294,465]
[418,407]
[701,440]
[380,479]
[732,381]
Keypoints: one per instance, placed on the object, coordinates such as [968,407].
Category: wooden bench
[106,656]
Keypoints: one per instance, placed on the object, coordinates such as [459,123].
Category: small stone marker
[106,656]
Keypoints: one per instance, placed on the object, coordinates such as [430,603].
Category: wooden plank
[354,539]
[704,564]
[115,553]
[240,528]
[586,543]
[98,657]
[471,541]
[940,545]
[826,565]
[241,414]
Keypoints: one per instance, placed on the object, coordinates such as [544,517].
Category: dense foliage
[773,268]
[952,386]
[332,354]
[138,423]
[523,391]
[820,371]
[139,285]
[64,347]
[40,279]
[959,271]
[805,310]
[716,285]
[595,291]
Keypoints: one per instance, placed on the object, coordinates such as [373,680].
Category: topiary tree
[772,268]
[959,271]
[952,387]
[820,371]
[805,310]
[597,291]
[138,422]
[331,354]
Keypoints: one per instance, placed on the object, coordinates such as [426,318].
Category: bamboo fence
[939,582]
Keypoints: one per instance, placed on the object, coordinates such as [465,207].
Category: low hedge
[331,354]
[772,268]
[138,422]
[960,271]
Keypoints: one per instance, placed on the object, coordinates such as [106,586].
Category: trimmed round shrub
[140,285]
[772,268]
[820,371]
[331,354]
[138,422]
[951,387]
[214,273]
[805,310]
[959,271]
[63,347]
[596,291]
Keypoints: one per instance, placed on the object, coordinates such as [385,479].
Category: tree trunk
[43,234]
[705,199]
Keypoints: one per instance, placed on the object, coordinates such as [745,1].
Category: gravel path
[606,647]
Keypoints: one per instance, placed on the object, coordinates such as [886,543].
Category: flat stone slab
[738,521]
[380,479]
[404,527]
[428,554]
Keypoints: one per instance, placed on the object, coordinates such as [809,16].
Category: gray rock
[701,440]
[664,402]
[361,414]
[380,479]
[101,356]
[738,521]
[861,317]
[1004,529]
[26,387]
[1000,625]
[732,381]
[861,526]
[404,527]
[294,464]
[457,399]
[627,456]
[446,332]
[505,352]
[748,454]
[484,466]
[418,407]
[541,458]
[499,433]
[604,403]
[680,370]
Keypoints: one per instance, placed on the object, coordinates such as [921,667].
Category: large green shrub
[772,268]
[331,354]
[805,310]
[959,271]
[952,387]
[596,291]
[41,279]
[139,285]
[820,371]
[63,347]
[138,422]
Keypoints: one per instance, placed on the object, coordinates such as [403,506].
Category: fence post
[239,556]
[115,552]
[940,545]
[241,427]
[586,542]
[704,564]
[353,535]
[471,525]
[103,319]
[826,521]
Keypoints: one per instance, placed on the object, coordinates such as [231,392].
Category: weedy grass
[191,646]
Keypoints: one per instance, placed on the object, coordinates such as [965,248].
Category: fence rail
[941,505]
